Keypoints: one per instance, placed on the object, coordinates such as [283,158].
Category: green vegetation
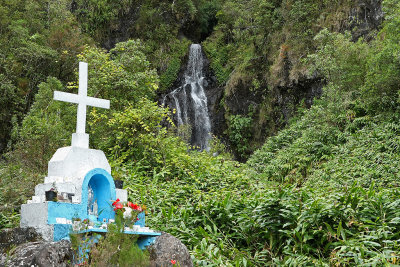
[258,47]
[33,47]
[161,25]
[322,191]
[104,253]
[240,134]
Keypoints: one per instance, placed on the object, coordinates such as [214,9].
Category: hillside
[303,168]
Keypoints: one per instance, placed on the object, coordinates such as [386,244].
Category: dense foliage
[256,50]
[37,39]
[322,191]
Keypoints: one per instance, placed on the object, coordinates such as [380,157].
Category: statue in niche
[92,203]
[95,208]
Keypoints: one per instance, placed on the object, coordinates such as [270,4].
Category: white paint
[73,163]
[53,179]
[68,187]
[76,199]
[61,220]
[122,194]
[36,199]
[33,215]
[81,139]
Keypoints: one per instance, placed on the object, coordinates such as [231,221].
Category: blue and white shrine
[82,179]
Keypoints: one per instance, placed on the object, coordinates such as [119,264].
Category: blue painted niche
[97,187]
[103,188]
[100,185]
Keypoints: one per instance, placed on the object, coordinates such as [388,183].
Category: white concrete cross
[80,138]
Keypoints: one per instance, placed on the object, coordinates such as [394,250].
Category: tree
[38,39]
[46,127]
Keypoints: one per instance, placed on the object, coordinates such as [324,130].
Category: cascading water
[190,100]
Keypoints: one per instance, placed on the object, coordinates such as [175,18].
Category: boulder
[40,254]
[60,254]
[167,248]
[10,238]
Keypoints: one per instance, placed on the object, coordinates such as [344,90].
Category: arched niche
[102,185]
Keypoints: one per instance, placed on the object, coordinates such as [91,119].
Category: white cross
[80,138]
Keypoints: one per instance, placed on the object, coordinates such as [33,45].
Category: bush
[239,133]
[113,249]
[135,136]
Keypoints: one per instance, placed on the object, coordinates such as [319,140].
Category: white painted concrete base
[35,215]
[66,172]
[72,162]
[80,140]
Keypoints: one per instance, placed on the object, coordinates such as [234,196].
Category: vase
[119,184]
[51,195]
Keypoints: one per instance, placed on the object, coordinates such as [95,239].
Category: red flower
[115,202]
[136,207]
[130,204]
[173,262]
[118,206]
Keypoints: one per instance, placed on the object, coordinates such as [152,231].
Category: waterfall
[190,101]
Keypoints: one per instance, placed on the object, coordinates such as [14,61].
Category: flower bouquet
[128,212]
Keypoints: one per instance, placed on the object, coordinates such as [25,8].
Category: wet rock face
[274,105]
[215,95]
[167,248]
[288,97]
[365,17]
[273,109]
[40,254]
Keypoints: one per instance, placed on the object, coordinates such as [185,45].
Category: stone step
[37,199]
[69,188]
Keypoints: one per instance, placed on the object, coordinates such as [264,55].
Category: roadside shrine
[79,191]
